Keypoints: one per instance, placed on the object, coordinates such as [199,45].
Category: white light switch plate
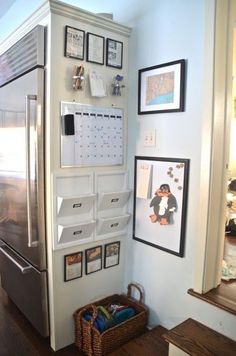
[149,139]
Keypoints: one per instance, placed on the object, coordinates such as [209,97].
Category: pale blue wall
[171,30]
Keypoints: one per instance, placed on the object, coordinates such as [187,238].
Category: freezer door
[26,286]
[22,213]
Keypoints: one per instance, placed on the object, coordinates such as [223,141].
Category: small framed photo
[112,254]
[114,53]
[161,88]
[160,202]
[95,48]
[73,266]
[93,259]
[74,42]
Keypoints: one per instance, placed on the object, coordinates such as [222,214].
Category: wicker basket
[94,343]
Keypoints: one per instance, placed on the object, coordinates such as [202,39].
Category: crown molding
[75,13]
[40,16]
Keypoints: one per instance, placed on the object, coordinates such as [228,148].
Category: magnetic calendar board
[91,135]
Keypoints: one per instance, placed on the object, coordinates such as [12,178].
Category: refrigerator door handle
[23,269]
[28,99]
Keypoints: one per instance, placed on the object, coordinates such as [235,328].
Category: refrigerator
[23,263]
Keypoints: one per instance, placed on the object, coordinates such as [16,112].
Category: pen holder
[78,78]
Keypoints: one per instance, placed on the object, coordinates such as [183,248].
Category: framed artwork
[74,42]
[161,88]
[114,53]
[93,259]
[112,254]
[95,48]
[160,202]
[73,266]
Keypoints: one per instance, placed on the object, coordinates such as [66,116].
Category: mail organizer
[75,204]
[78,233]
[113,200]
[112,226]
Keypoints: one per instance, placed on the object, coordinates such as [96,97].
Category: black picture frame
[93,259]
[114,53]
[73,266]
[74,43]
[161,88]
[158,222]
[112,254]
[95,48]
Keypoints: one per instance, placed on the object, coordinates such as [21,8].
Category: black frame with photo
[107,254]
[114,53]
[161,88]
[160,202]
[72,31]
[95,54]
[88,260]
[67,264]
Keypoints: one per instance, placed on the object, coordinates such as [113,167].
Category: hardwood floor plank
[149,344]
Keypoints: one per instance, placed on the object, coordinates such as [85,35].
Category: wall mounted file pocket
[112,204]
[113,200]
[112,226]
[74,209]
[81,233]
[75,204]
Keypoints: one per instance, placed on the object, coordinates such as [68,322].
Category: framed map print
[161,88]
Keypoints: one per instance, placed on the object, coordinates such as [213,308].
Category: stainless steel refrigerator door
[26,286]
[22,212]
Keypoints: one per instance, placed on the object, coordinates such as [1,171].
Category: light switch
[149,138]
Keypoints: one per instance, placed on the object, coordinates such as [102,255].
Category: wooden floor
[18,338]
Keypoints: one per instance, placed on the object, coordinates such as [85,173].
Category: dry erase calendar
[91,135]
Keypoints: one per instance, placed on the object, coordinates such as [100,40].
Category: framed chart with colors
[161,88]
[73,266]
[160,202]
[112,254]
[93,259]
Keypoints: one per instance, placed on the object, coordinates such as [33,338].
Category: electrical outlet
[149,138]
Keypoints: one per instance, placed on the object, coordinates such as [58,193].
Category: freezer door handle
[28,99]
[23,269]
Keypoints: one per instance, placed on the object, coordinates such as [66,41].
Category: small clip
[78,78]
